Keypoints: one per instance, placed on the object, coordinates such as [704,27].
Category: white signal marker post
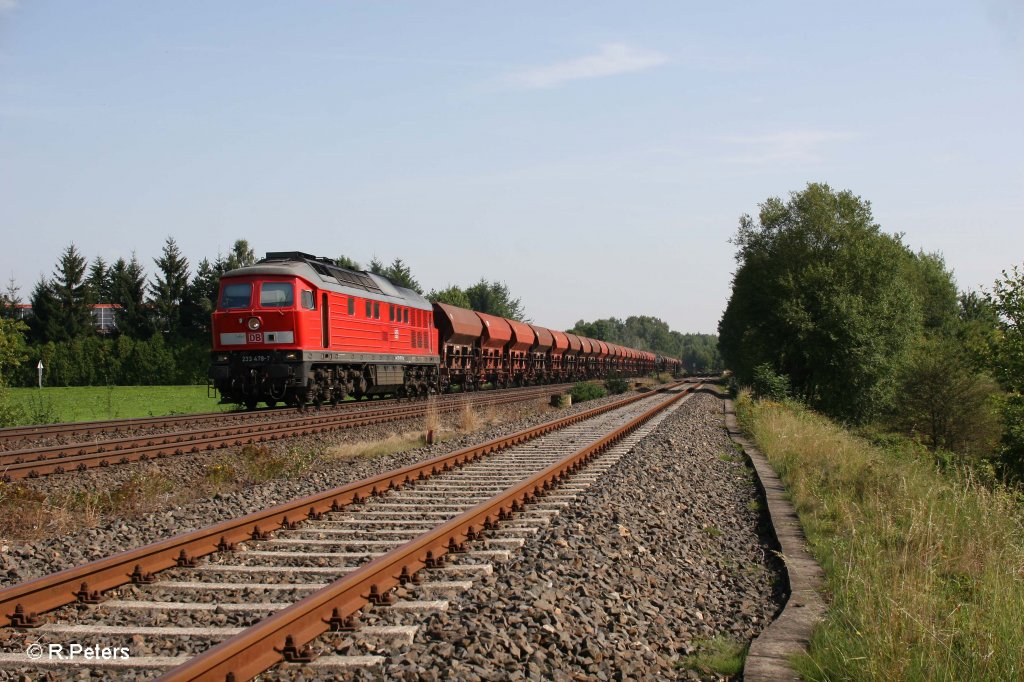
[39,368]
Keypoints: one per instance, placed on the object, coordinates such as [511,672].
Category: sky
[595,156]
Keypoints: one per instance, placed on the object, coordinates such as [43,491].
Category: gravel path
[20,562]
[631,582]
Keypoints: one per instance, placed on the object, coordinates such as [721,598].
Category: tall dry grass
[27,514]
[431,416]
[925,566]
[468,420]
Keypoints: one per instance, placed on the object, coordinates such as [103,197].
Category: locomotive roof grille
[328,270]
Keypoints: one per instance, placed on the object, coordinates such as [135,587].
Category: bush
[769,384]
[615,384]
[584,391]
[11,414]
[945,403]
[122,361]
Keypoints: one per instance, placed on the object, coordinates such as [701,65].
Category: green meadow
[91,403]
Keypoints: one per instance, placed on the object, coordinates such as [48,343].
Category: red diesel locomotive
[295,328]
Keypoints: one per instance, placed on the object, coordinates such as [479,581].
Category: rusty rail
[282,635]
[20,603]
[35,462]
[20,433]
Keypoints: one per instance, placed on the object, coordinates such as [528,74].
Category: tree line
[493,298]
[698,352]
[162,333]
[829,309]
[163,324]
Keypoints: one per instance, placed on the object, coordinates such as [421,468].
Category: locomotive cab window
[308,302]
[235,296]
[277,295]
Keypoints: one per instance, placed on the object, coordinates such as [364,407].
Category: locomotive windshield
[276,295]
[235,296]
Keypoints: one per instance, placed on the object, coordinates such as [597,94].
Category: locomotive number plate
[255,358]
[254,337]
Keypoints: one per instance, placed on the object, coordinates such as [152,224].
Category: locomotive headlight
[221,358]
[291,355]
[254,324]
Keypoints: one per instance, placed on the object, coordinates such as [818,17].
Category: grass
[92,403]
[27,514]
[467,418]
[925,567]
[720,655]
[396,442]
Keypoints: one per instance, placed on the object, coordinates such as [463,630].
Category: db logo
[255,337]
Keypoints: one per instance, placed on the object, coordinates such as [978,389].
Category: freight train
[298,329]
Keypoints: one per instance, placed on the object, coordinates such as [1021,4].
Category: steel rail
[19,603]
[35,462]
[16,433]
[283,635]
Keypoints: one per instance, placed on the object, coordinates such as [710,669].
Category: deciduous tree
[13,350]
[945,402]
[495,298]
[242,255]
[453,295]
[824,296]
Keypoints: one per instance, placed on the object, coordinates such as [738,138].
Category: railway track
[14,436]
[234,599]
[33,462]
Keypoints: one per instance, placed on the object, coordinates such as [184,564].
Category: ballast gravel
[21,562]
[631,582]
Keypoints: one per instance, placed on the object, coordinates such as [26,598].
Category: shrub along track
[56,459]
[441,504]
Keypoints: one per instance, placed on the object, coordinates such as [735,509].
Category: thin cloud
[6,5]
[802,146]
[611,60]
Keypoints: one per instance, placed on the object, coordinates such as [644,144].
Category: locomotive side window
[325,322]
[376,311]
[405,315]
[236,296]
[277,295]
[351,306]
[308,302]
[391,313]
[369,310]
